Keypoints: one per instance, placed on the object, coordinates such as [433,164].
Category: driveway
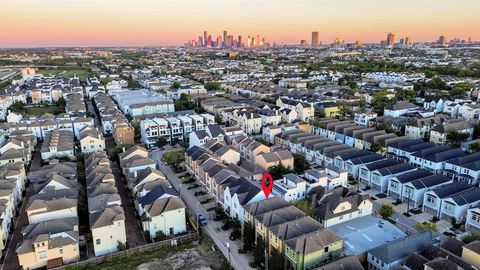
[220,238]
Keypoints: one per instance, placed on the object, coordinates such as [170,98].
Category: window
[61,251]
[42,255]
[325,250]
[431,199]
[97,241]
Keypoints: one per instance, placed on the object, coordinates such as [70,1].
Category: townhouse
[173,129]
[239,193]
[106,215]
[250,122]
[91,140]
[465,168]
[162,212]
[440,201]
[434,158]
[329,178]
[58,143]
[439,134]
[339,205]
[291,188]
[142,102]
[381,176]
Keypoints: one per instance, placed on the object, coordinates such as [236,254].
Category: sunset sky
[39,23]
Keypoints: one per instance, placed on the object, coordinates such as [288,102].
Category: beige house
[438,134]
[44,210]
[91,140]
[49,244]
[108,230]
[271,159]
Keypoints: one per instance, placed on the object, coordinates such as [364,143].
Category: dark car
[202,220]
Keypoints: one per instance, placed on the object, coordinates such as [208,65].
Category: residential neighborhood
[371,152]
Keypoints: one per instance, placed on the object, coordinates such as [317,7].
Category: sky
[49,23]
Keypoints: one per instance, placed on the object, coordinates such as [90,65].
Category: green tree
[184,103]
[306,206]
[213,86]
[426,226]
[278,171]
[459,89]
[471,237]
[17,107]
[406,94]
[386,210]
[300,163]
[475,147]
[161,141]
[276,260]
[173,158]
[159,236]
[380,101]
[259,251]
[175,85]
[375,147]
[248,236]
[437,83]
[456,138]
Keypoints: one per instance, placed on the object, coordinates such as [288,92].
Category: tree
[213,86]
[278,171]
[161,141]
[473,236]
[459,89]
[276,260]
[475,147]
[375,147]
[381,100]
[386,210]
[248,236]
[17,107]
[173,158]
[259,251]
[437,83]
[159,236]
[426,226]
[406,94]
[456,138]
[306,207]
[300,163]
[184,103]
[175,85]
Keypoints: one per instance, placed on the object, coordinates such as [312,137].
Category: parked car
[202,220]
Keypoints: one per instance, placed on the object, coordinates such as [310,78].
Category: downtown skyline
[24,23]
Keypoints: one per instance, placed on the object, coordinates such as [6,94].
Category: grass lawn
[41,110]
[82,73]
[133,260]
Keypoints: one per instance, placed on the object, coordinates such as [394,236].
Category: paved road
[11,260]
[238,261]
[401,220]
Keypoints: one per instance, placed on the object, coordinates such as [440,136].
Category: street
[238,261]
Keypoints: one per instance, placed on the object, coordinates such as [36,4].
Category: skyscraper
[209,41]
[390,39]
[205,37]
[442,40]
[402,41]
[229,41]
[224,38]
[314,39]
[200,41]
[249,42]
[219,41]
[407,40]
[239,41]
[359,43]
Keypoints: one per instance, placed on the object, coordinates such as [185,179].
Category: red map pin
[267,189]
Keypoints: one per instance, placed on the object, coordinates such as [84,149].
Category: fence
[148,247]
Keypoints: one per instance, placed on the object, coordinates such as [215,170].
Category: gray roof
[401,248]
